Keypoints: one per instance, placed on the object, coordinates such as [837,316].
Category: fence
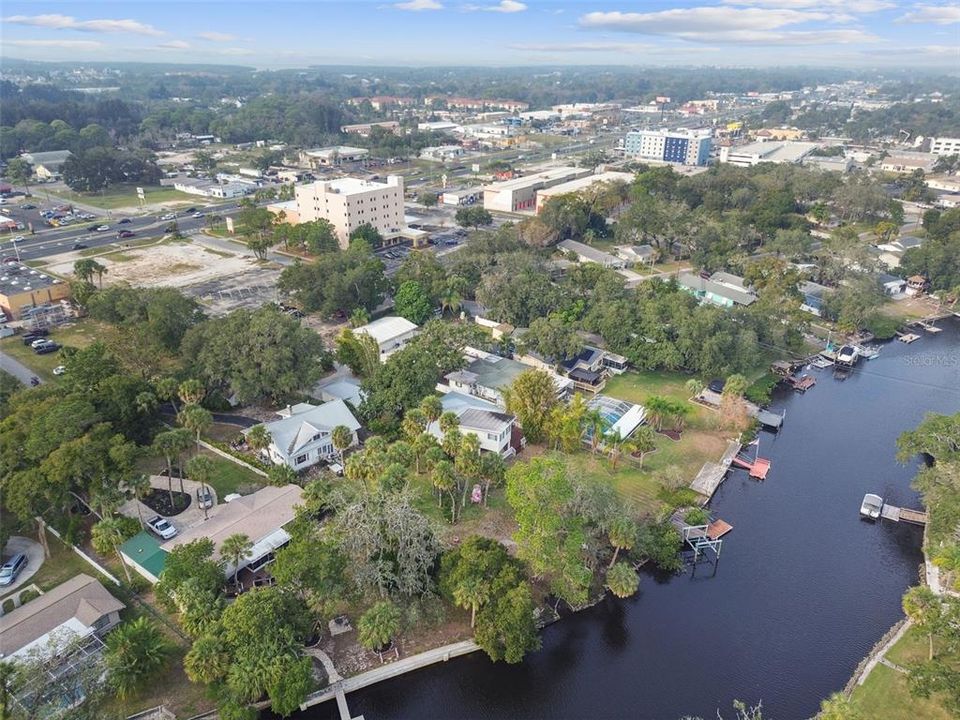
[89,560]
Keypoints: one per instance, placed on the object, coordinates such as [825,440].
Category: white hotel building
[347,203]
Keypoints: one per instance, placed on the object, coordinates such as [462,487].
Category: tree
[258,438]
[548,538]
[191,392]
[171,444]
[341,437]
[19,171]
[922,606]
[661,542]
[138,486]
[86,268]
[622,580]
[378,625]
[136,652]
[552,338]
[237,547]
[337,281]
[427,199]
[473,217]
[358,351]
[412,303]
[838,707]
[595,425]
[282,474]
[367,234]
[623,535]
[530,398]
[195,419]
[109,534]
[190,561]
[642,441]
[432,408]
[444,480]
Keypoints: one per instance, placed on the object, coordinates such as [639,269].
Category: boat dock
[712,474]
[800,384]
[757,468]
[907,337]
[898,514]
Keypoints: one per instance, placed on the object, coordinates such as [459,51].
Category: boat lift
[758,467]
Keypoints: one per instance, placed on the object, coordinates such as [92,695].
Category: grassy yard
[78,334]
[886,695]
[228,476]
[125,196]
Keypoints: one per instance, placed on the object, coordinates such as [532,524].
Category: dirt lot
[222,281]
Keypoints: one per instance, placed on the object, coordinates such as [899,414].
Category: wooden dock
[908,337]
[802,383]
[898,514]
[712,474]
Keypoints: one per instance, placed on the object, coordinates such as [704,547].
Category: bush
[759,392]
[661,543]
[882,326]
[696,516]
[8,606]
[243,457]
[28,595]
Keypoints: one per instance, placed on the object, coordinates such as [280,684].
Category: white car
[18,238]
[168,216]
[59,369]
[103,228]
[197,215]
[162,527]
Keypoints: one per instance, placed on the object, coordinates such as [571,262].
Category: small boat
[868,352]
[821,362]
[847,355]
[871,506]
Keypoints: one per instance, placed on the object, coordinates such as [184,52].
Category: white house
[302,436]
[492,426]
[390,333]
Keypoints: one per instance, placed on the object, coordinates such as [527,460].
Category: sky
[272,34]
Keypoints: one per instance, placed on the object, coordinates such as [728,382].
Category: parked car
[59,369]
[79,246]
[92,228]
[11,568]
[47,348]
[204,498]
[717,385]
[162,527]
[28,206]
[38,341]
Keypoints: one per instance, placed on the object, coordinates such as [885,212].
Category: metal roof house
[587,254]
[390,333]
[493,427]
[722,291]
[302,436]
[487,376]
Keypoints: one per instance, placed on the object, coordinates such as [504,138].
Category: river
[803,589]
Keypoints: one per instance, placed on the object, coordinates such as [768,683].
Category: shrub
[8,606]
[28,595]
[696,516]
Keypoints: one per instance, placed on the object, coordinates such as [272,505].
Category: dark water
[803,590]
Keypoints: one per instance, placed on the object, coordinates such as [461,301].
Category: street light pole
[16,249]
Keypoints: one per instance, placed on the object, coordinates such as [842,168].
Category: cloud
[933,14]
[583,47]
[418,5]
[216,36]
[174,45]
[236,51]
[66,22]
[65,44]
[504,6]
[850,6]
[754,26]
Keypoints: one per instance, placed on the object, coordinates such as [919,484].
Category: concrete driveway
[189,518]
[34,552]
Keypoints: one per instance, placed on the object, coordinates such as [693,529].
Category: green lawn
[125,196]
[78,334]
[886,696]
[228,476]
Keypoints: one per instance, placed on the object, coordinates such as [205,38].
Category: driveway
[34,553]
[16,368]
[191,517]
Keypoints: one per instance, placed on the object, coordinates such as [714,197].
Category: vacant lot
[221,280]
[76,334]
[125,196]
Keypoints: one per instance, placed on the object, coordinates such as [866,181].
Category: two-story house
[303,435]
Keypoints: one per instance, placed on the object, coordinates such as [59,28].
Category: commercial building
[302,437]
[364,129]
[468,196]
[23,288]
[213,189]
[774,151]
[580,184]
[683,147]
[944,146]
[907,162]
[46,165]
[834,163]
[333,156]
[520,194]
[442,152]
[348,203]
[390,333]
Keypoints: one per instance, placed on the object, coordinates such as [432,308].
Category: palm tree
[623,536]
[107,536]
[657,407]
[472,592]
[170,444]
[341,437]
[258,438]
[694,387]
[200,469]
[236,547]
[449,421]
[444,481]
[594,425]
[432,408]
[923,606]
[191,391]
[136,652]
[642,441]
[679,411]
[166,389]
[451,298]
[622,580]
[196,419]
[138,487]
[613,441]
[378,625]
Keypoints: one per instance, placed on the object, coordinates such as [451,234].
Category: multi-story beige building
[348,203]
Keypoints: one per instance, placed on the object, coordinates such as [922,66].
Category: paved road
[16,368]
